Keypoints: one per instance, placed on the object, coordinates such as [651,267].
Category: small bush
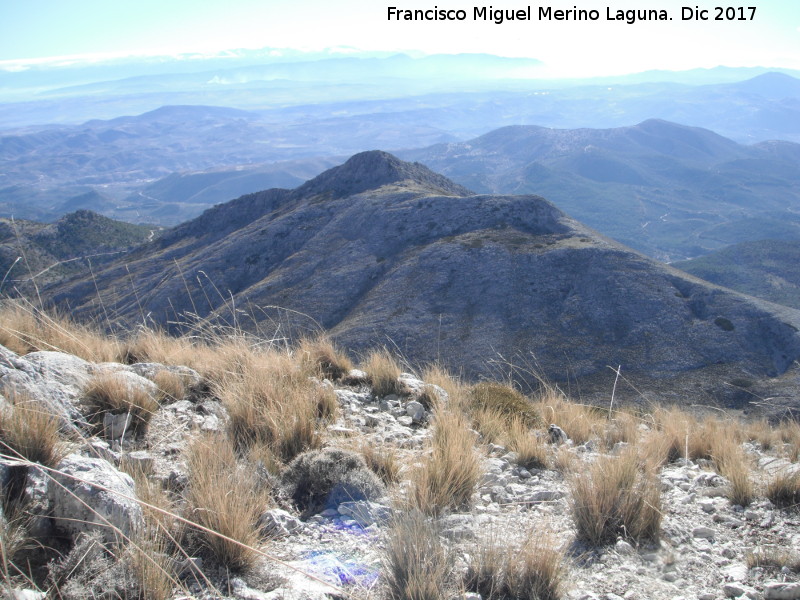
[615,497]
[448,476]
[416,564]
[784,490]
[28,429]
[225,499]
[383,372]
[325,478]
[109,392]
[505,401]
[325,358]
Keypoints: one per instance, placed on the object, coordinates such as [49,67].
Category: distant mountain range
[668,190]
[383,252]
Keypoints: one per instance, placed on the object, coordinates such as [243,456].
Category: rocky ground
[708,548]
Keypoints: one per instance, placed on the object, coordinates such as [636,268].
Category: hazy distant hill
[44,253]
[768,269]
[43,166]
[380,251]
[666,189]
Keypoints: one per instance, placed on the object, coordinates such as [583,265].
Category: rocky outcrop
[90,495]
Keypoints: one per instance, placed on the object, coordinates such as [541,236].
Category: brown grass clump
[616,497]
[324,358]
[502,400]
[774,558]
[784,490]
[272,401]
[530,449]
[109,392]
[622,427]
[731,462]
[416,564]
[383,461]
[684,436]
[789,432]
[763,434]
[24,329]
[171,386]
[225,499]
[448,476]
[29,430]
[532,571]
[383,372]
[579,422]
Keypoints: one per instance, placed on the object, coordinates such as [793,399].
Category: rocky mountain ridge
[379,251]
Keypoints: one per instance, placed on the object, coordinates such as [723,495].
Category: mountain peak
[373,169]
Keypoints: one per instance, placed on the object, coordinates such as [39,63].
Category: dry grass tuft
[774,558]
[623,427]
[784,490]
[272,401]
[616,497]
[416,564]
[171,386]
[789,432]
[24,328]
[323,357]
[731,462]
[763,434]
[533,571]
[383,372]
[532,452]
[224,498]
[448,476]
[28,429]
[382,460]
[504,401]
[578,421]
[109,392]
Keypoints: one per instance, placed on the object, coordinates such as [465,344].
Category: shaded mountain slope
[668,190]
[379,251]
[769,269]
[49,252]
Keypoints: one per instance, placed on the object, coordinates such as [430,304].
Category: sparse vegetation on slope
[274,425]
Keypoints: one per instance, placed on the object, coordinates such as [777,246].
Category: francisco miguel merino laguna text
[548,13]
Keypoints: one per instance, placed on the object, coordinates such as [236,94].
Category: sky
[33,30]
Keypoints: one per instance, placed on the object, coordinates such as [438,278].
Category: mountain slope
[665,189]
[379,251]
[49,252]
[768,269]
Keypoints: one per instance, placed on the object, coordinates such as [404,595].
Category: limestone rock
[88,494]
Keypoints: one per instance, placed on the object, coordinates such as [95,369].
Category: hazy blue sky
[34,29]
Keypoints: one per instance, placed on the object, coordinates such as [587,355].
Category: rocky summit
[381,252]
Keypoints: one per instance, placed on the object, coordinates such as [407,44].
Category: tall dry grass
[29,430]
[224,498]
[417,566]
[616,496]
[383,371]
[532,570]
[110,392]
[25,328]
[448,476]
[579,422]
